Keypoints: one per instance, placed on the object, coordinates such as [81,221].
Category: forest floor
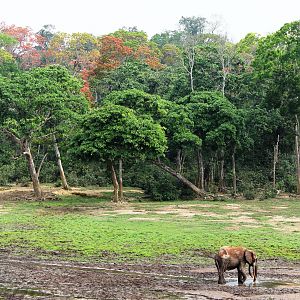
[46,269]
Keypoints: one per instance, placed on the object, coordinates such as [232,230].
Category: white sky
[152,16]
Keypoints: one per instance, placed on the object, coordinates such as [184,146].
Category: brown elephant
[229,258]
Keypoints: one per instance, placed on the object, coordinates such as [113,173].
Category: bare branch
[40,166]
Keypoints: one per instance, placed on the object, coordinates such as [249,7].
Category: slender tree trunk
[275,161]
[191,53]
[212,172]
[115,181]
[234,172]
[221,180]
[180,178]
[121,195]
[178,161]
[33,174]
[41,164]
[59,163]
[297,151]
[223,76]
[192,78]
[200,176]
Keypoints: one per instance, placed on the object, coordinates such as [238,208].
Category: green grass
[90,227]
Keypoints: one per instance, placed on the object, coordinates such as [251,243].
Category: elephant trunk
[251,274]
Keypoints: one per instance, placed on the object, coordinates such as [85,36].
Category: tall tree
[115,133]
[216,122]
[36,104]
[192,31]
[278,72]
[172,117]
[26,49]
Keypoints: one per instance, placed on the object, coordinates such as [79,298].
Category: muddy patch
[24,278]
[264,282]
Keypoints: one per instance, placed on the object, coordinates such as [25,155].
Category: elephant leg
[221,269]
[241,275]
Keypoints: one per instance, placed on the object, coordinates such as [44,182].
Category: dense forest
[184,113]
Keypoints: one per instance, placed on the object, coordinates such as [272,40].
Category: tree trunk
[41,164]
[59,163]
[180,178]
[121,195]
[234,172]
[297,151]
[275,161]
[115,181]
[212,172]
[180,157]
[200,176]
[192,78]
[221,180]
[33,174]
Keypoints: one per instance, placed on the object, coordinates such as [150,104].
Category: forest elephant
[229,258]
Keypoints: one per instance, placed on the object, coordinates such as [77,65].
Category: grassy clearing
[94,227]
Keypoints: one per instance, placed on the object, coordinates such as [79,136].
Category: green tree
[277,72]
[7,62]
[113,133]
[216,122]
[171,116]
[36,104]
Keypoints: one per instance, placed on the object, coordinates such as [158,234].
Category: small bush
[289,184]
[249,194]
[268,192]
[249,191]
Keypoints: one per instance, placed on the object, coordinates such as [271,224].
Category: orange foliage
[28,42]
[112,53]
[86,86]
[144,53]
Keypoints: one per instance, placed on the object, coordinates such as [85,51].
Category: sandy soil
[27,278]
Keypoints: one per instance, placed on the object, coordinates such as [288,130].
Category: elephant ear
[250,257]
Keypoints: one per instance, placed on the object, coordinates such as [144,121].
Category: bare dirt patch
[232,206]
[130,209]
[245,219]
[3,210]
[186,211]
[15,192]
[144,219]
[27,278]
[285,224]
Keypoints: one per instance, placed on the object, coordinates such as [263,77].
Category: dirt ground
[27,278]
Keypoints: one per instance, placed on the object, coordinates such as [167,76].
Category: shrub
[156,183]
[249,194]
